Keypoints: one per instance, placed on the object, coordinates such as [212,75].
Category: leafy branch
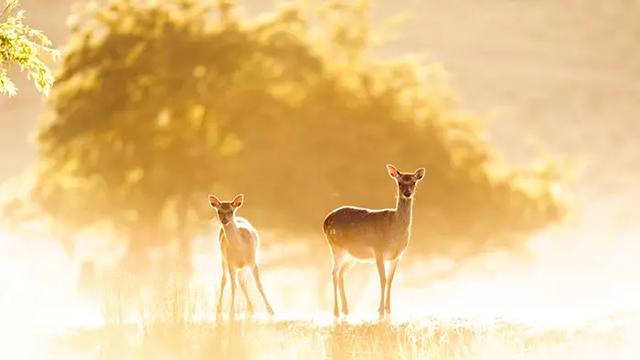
[23,46]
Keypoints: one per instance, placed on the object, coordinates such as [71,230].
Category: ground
[262,338]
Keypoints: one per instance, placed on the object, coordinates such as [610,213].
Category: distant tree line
[158,104]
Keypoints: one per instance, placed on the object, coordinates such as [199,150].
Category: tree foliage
[158,104]
[22,46]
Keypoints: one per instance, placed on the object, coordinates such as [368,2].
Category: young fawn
[357,234]
[239,244]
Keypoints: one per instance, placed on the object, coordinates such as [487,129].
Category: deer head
[226,209]
[406,181]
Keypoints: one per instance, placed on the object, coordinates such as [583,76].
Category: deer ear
[393,171]
[214,201]
[238,200]
[419,174]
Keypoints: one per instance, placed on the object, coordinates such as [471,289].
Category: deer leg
[223,283]
[383,282]
[243,285]
[338,262]
[343,270]
[256,276]
[392,272]
[232,276]
[334,276]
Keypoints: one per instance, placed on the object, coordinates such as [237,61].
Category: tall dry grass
[174,328]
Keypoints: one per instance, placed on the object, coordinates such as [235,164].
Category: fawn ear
[419,174]
[237,201]
[214,201]
[393,171]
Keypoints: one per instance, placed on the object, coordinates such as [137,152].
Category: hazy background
[562,75]
[556,77]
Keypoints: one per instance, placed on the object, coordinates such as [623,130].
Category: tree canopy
[158,104]
[22,46]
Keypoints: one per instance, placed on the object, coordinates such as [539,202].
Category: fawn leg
[243,285]
[232,276]
[223,283]
[256,276]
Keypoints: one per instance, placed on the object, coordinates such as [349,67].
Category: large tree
[22,46]
[157,104]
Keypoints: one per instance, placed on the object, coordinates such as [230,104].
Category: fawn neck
[231,230]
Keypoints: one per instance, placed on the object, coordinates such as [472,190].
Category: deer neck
[231,231]
[404,209]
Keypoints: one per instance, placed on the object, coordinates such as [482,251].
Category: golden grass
[289,339]
[175,328]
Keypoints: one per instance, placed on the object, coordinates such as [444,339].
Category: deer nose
[407,193]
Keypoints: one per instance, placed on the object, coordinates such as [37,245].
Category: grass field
[519,315]
[176,321]
[610,338]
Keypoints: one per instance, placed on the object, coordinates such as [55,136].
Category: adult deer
[357,234]
[239,245]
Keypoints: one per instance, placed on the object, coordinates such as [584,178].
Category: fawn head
[226,209]
[406,181]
